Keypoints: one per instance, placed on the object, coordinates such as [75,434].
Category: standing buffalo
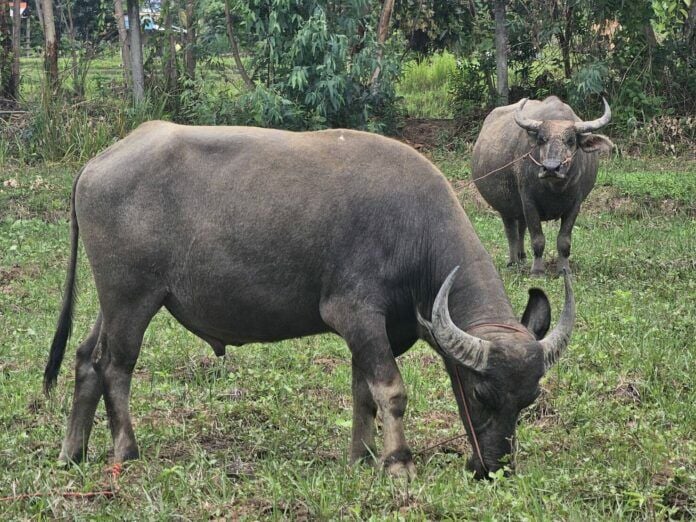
[256,235]
[535,167]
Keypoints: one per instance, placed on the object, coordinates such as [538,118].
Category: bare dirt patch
[425,134]
[15,273]
[328,364]
[627,392]
[605,198]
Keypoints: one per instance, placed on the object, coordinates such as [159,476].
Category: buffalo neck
[478,294]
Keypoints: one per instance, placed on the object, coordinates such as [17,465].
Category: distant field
[263,433]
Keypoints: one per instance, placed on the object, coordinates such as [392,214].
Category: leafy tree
[313,63]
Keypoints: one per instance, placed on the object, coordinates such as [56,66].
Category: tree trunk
[235,48]
[123,41]
[39,13]
[51,45]
[16,48]
[5,52]
[169,47]
[382,33]
[501,45]
[28,50]
[136,51]
[564,39]
[690,24]
[66,14]
[190,52]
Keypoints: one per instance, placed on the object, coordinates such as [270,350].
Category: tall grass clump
[425,86]
[56,129]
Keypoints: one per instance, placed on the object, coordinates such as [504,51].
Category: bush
[426,86]
[315,64]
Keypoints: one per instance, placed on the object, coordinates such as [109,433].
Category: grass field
[264,432]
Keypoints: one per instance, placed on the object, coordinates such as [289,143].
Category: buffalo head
[558,140]
[495,379]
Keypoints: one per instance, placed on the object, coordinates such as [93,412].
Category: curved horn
[526,124]
[556,341]
[466,349]
[589,126]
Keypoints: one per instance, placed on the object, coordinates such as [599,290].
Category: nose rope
[569,158]
[527,155]
[474,438]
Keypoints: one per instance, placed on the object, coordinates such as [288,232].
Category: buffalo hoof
[400,464]
[123,456]
[538,267]
[69,457]
[562,265]
[405,470]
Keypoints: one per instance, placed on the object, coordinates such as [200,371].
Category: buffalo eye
[570,140]
[486,396]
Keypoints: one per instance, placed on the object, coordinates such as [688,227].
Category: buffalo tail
[64,327]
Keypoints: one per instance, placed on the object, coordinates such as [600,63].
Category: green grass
[264,432]
[425,86]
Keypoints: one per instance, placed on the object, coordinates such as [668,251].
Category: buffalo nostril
[551,165]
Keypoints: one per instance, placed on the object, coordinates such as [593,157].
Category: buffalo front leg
[364,410]
[117,352]
[88,392]
[531,216]
[367,339]
[512,235]
[521,229]
[564,238]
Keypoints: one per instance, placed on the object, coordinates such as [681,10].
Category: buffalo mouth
[481,473]
[545,174]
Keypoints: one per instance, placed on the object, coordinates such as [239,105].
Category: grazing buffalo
[257,235]
[533,162]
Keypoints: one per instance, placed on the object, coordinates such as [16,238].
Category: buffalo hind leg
[366,336]
[88,392]
[114,360]
[364,412]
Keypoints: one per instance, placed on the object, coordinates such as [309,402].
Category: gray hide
[551,184]
[255,235]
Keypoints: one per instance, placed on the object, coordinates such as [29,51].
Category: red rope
[106,493]
[500,325]
[113,472]
[474,438]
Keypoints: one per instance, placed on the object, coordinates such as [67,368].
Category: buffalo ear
[537,315]
[595,143]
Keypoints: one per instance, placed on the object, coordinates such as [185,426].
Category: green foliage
[426,85]
[470,89]
[56,130]
[315,61]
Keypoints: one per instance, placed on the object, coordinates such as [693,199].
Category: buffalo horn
[466,349]
[557,340]
[589,126]
[525,123]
